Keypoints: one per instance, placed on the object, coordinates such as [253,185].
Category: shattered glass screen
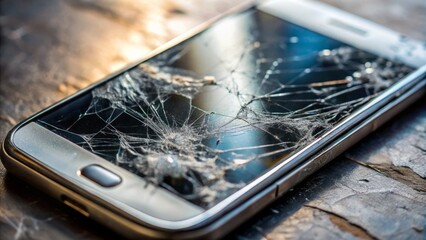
[211,114]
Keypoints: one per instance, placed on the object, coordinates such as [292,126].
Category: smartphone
[199,136]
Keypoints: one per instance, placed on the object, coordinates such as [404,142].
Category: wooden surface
[51,48]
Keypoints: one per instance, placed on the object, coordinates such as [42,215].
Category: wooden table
[51,48]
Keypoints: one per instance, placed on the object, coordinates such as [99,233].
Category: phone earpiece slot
[346,26]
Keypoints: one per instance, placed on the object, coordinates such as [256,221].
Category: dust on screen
[210,115]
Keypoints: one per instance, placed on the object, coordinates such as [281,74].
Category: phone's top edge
[350,29]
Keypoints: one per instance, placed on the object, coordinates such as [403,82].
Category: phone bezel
[385,40]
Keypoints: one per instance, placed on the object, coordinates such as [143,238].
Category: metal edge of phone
[256,195]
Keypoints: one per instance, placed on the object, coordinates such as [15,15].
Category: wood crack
[401,174]
[345,225]
[8,119]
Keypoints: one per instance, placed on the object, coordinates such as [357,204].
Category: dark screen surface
[211,114]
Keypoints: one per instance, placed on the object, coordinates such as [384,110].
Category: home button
[100,175]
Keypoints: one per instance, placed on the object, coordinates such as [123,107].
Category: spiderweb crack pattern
[156,123]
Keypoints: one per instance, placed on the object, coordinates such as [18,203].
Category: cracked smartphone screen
[208,116]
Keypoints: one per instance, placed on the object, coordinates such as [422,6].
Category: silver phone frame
[275,181]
